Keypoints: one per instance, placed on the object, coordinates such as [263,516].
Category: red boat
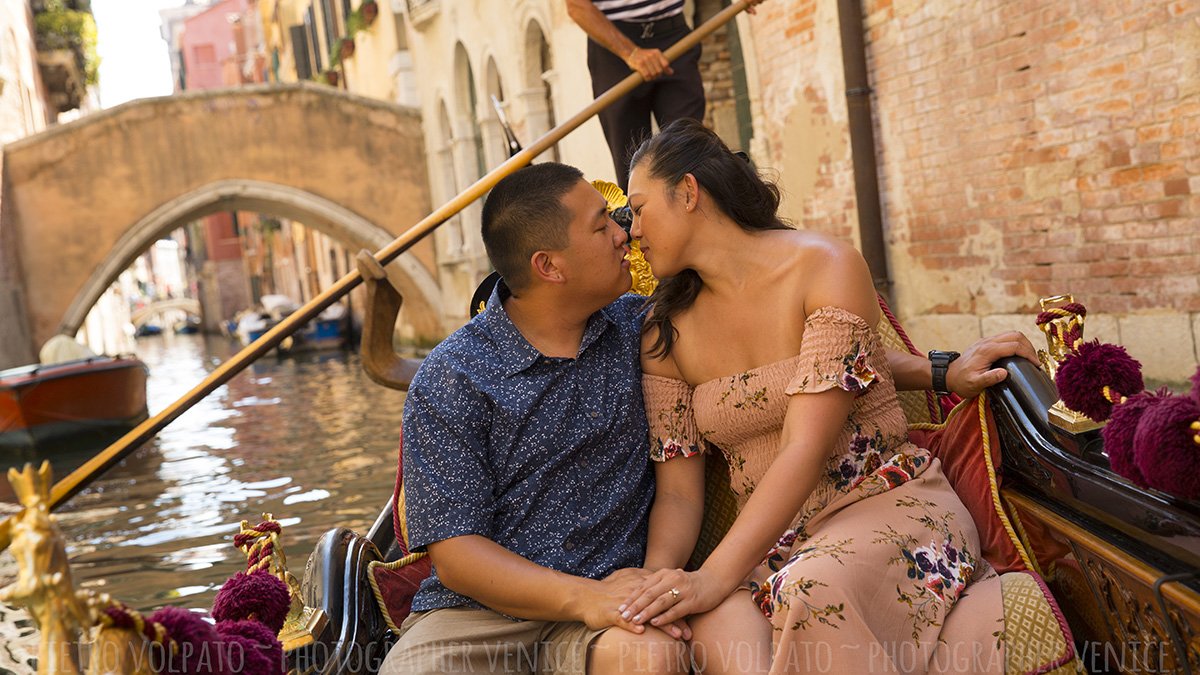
[95,396]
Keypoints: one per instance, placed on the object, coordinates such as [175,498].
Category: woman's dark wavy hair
[684,147]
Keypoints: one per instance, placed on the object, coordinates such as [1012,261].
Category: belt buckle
[647,30]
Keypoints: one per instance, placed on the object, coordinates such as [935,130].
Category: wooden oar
[81,477]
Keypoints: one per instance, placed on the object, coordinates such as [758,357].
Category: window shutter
[300,51]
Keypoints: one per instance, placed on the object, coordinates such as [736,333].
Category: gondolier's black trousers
[670,97]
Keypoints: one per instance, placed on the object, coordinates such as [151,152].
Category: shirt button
[569,546]
[583,463]
[594,414]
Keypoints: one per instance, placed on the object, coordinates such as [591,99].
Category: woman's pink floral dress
[880,571]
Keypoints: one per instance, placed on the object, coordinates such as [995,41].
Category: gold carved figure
[43,586]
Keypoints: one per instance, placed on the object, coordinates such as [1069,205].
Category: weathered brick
[1176,186]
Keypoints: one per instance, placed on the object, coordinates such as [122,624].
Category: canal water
[307,438]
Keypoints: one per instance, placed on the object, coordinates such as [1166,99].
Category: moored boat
[94,396]
[326,331]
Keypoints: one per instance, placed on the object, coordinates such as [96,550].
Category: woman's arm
[677,512]
[678,506]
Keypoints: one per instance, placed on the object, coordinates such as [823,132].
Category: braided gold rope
[1195,426]
[991,471]
[1025,537]
[403,562]
[1073,321]
[1108,395]
[98,603]
[266,544]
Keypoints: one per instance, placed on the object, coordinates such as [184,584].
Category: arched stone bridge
[144,314]
[81,201]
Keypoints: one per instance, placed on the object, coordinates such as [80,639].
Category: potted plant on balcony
[345,48]
[369,11]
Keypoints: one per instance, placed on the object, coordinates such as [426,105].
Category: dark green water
[308,438]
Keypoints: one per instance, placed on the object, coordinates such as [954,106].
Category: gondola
[1122,560]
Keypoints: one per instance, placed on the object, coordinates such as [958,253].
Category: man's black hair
[525,213]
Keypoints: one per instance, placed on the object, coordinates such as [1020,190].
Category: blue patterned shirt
[547,457]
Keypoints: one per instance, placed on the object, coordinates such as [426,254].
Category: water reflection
[308,438]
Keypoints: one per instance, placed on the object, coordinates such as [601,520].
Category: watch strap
[940,365]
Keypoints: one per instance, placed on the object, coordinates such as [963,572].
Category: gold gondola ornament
[644,282]
[1091,376]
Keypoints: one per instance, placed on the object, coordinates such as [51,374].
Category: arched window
[538,95]
[451,239]
[468,106]
[493,134]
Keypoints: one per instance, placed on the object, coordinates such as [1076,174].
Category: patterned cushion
[1036,636]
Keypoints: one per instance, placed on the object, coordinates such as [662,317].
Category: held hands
[972,372]
[649,62]
[669,595]
[598,609]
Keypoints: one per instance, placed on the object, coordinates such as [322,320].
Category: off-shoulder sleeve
[672,425]
[834,352]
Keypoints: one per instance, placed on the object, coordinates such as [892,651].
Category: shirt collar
[515,351]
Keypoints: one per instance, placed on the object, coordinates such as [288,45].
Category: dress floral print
[882,554]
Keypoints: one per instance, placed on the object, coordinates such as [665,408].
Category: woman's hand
[669,595]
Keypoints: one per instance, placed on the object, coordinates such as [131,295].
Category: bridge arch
[413,280]
[187,305]
[80,201]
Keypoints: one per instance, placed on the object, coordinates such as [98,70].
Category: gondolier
[629,35]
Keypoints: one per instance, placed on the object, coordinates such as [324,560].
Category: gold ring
[674,594]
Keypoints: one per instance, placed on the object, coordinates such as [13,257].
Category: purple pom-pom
[251,649]
[200,651]
[1118,433]
[258,595]
[1164,449]
[1083,375]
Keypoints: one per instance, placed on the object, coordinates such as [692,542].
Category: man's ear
[546,267]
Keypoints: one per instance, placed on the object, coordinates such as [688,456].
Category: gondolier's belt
[647,29]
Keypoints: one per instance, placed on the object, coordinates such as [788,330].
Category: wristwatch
[941,364]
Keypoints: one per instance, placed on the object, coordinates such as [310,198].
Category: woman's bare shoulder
[662,366]
[837,275]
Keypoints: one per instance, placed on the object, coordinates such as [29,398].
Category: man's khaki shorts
[466,640]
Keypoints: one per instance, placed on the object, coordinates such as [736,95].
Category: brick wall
[716,71]
[803,127]
[1026,147]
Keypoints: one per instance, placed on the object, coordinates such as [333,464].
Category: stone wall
[1026,148]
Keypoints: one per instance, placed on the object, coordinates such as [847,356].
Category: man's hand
[649,62]
[972,372]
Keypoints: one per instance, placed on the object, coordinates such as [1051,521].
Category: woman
[850,553]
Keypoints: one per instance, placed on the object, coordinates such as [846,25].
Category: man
[525,442]
[527,473]
[629,35]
